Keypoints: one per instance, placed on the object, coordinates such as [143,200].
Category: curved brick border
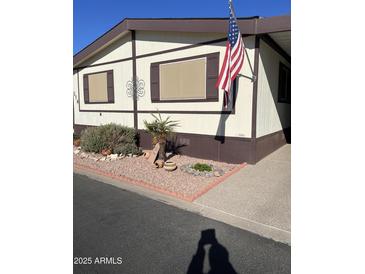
[150,186]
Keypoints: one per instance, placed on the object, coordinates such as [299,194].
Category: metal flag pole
[244,46]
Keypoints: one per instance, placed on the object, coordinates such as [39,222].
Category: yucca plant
[160,129]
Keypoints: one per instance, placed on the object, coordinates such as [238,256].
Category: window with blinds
[183,80]
[99,87]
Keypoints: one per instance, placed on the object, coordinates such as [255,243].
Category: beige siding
[271,115]
[152,41]
[95,119]
[236,125]
[122,73]
[119,49]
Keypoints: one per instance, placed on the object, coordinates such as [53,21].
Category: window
[284,92]
[99,87]
[189,79]
[183,80]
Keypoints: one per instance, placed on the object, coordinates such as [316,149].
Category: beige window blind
[183,80]
[98,87]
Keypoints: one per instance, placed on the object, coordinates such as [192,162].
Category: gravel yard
[138,168]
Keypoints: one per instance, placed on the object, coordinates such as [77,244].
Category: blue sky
[94,17]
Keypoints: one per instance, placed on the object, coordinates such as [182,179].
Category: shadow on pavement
[218,256]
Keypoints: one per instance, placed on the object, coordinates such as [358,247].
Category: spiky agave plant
[161,129]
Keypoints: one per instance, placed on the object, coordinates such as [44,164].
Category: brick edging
[218,181]
[150,186]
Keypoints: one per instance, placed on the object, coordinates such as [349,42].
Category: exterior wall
[234,125]
[271,115]
[119,49]
[237,124]
[153,41]
[97,114]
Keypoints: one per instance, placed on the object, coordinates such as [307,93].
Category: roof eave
[250,26]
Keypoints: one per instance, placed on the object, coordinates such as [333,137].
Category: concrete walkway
[257,195]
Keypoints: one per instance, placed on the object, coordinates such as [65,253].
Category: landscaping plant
[76,140]
[114,137]
[202,167]
[160,130]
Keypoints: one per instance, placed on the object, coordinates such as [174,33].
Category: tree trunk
[162,151]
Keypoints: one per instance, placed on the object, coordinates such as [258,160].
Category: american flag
[233,59]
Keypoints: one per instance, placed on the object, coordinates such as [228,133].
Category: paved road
[151,237]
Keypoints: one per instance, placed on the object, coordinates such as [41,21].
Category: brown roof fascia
[101,41]
[273,24]
[250,26]
[193,25]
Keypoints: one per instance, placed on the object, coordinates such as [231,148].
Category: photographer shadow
[218,256]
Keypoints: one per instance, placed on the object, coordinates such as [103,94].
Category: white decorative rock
[113,156]
[102,159]
[77,151]
[216,174]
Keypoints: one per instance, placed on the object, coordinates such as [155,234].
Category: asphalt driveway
[148,236]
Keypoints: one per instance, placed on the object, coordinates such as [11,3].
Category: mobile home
[144,66]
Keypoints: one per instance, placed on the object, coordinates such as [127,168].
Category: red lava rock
[139,169]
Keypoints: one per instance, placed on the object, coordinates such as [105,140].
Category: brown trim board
[107,111]
[161,111]
[78,88]
[134,63]
[268,40]
[254,99]
[106,63]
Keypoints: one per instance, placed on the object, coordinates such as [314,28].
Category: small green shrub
[202,167]
[91,141]
[127,149]
[112,136]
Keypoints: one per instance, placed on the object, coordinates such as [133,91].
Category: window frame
[205,82]
[110,87]
[287,84]
[212,71]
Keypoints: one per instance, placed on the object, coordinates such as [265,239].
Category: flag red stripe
[223,66]
[238,59]
[239,68]
[236,50]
